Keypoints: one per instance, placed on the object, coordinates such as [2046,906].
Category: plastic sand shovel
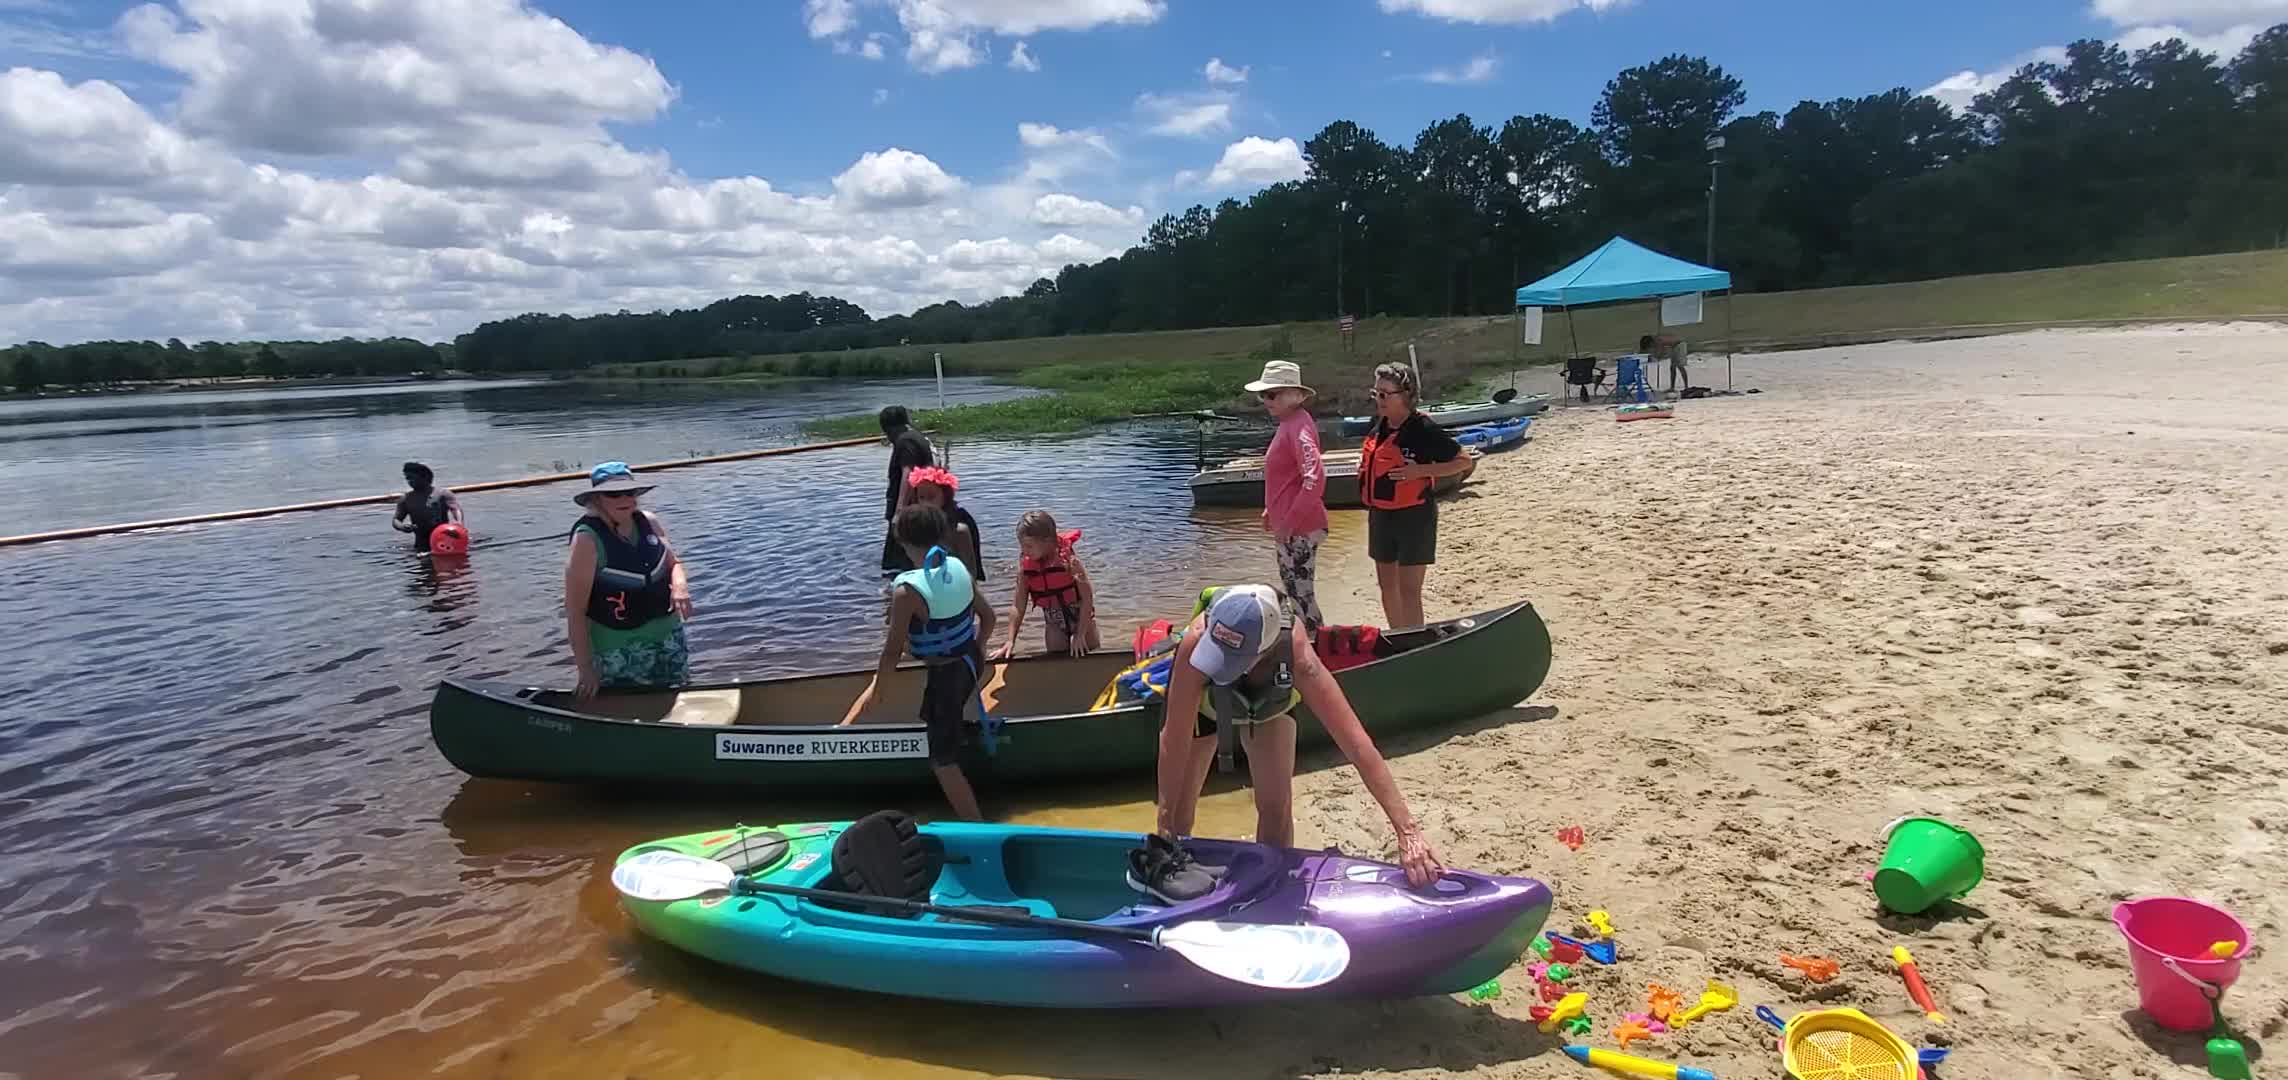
[1603,952]
[1718,997]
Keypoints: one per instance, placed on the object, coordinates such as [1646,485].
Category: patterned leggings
[1298,566]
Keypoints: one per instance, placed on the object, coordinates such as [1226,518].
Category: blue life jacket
[948,626]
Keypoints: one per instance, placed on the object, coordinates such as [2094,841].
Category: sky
[240,169]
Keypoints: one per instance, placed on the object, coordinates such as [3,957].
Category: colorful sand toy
[1717,998]
[1844,1044]
[1818,969]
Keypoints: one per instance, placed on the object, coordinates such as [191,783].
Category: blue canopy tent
[1622,270]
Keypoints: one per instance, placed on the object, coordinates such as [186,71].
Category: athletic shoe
[1166,873]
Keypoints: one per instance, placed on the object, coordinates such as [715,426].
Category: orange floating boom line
[370,500]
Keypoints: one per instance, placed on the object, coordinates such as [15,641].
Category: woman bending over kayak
[1051,578]
[940,615]
[1241,663]
[625,597]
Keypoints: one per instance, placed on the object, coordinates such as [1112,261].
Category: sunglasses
[1380,393]
[615,494]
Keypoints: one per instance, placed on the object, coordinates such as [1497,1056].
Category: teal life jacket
[948,625]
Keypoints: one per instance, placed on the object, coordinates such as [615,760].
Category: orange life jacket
[1378,455]
[1050,582]
[1341,647]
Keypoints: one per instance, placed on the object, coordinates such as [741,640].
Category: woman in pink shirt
[1294,486]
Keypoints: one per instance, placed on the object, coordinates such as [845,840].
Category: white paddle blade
[1272,957]
[669,875]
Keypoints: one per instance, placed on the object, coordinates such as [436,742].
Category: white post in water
[1415,362]
[938,359]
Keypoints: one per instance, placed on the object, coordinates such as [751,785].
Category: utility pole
[1715,158]
[1342,219]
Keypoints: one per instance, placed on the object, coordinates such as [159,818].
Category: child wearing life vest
[1051,578]
[933,486]
[940,616]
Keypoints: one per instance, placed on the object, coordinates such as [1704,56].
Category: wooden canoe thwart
[780,733]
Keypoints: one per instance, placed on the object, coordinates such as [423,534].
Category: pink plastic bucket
[2177,976]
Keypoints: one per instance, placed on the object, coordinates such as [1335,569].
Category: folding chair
[1629,379]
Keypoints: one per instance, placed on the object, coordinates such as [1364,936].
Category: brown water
[231,850]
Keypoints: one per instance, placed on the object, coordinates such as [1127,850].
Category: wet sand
[2032,584]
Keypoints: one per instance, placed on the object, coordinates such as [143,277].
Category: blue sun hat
[1242,625]
[609,478]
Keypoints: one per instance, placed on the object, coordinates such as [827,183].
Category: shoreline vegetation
[1089,379]
[1101,378]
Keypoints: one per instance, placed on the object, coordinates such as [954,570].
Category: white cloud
[1256,161]
[1064,249]
[473,191]
[2220,27]
[1072,211]
[2224,44]
[1047,136]
[829,18]
[894,179]
[881,95]
[2206,15]
[327,76]
[1219,72]
[1480,68]
[871,48]
[1185,116]
[947,35]
[1498,11]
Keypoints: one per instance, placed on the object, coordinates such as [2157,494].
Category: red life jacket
[1051,583]
[1342,647]
[1378,455]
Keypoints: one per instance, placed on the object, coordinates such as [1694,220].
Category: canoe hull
[1460,932]
[1460,414]
[1469,667]
[1240,482]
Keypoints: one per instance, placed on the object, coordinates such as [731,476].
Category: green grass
[1103,377]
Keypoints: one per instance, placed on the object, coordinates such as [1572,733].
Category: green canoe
[779,733]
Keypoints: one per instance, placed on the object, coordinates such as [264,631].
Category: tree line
[2106,155]
[38,365]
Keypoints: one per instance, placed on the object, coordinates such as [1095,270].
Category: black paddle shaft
[746,886]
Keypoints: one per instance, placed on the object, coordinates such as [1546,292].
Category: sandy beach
[2032,584]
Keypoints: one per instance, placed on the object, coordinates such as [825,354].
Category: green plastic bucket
[1925,861]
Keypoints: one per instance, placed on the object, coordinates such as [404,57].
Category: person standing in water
[909,450]
[940,615]
[424,506]
[1294,486]
[625,594]
[1241,665]
[933,486]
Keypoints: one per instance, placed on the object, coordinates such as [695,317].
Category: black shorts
[945,701]
[1407,537]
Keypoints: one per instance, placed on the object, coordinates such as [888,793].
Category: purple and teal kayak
[1462,930]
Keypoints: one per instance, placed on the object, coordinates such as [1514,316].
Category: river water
[231,849]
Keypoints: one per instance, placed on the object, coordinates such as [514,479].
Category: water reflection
[233,850]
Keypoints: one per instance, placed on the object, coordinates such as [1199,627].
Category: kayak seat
[884,854]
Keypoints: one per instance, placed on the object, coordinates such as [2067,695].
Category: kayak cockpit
[1048,873]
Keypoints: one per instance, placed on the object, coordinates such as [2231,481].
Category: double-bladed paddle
[1275,957]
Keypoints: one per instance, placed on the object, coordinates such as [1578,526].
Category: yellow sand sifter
[1844,1044]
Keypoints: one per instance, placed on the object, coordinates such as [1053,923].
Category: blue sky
[306,167]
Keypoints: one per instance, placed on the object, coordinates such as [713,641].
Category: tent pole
[1729,296]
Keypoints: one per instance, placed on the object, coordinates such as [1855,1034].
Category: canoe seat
[704,708]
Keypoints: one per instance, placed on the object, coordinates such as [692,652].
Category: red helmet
[450,540]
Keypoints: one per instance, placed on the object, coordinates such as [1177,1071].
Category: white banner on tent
[1681,310]
[1533,326]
